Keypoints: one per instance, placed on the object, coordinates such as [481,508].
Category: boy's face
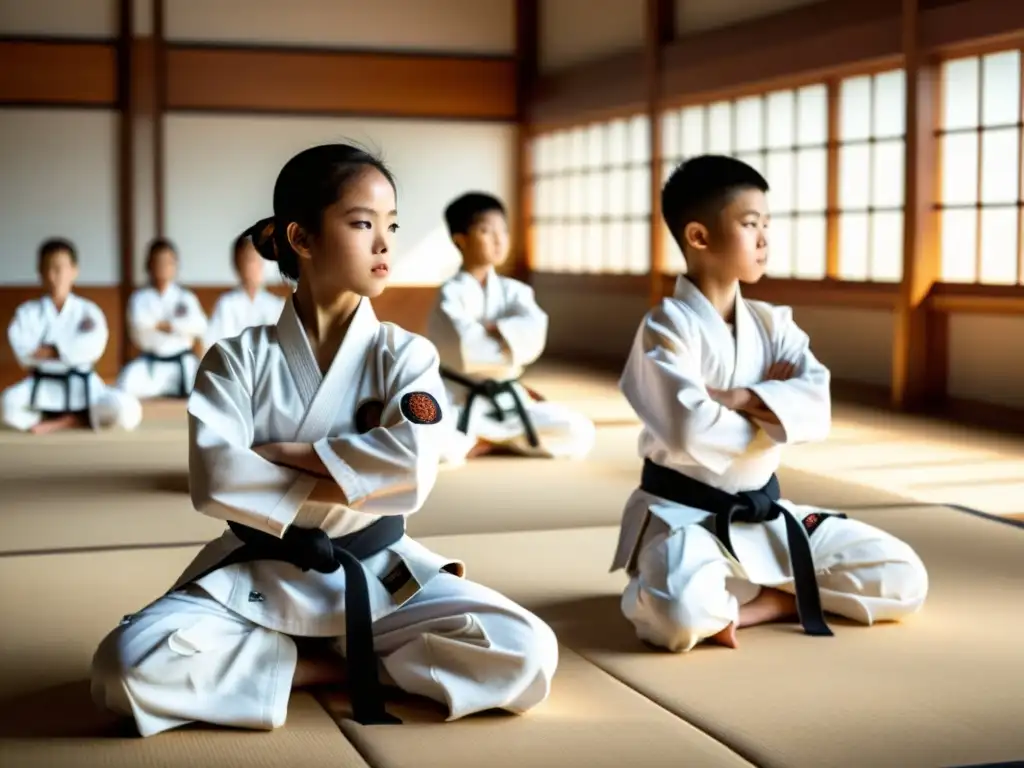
[164,267]
[487,241]
[737,248]
[250,266]
[58,273]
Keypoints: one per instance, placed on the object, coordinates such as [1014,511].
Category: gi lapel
[493,298]
[750,346]
[719,336]
[320,394]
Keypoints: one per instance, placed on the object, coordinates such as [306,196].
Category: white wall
[464,26]
[58,177]
[576,31]
[59,18]
[220,173]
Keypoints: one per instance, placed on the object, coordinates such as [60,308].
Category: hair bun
[263,238]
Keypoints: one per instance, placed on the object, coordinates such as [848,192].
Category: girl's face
[163,267]
[353,251]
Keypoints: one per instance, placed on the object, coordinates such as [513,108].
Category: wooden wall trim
[810,42]
[589,91]
[527,67]
[52,73]
[804,44]
[271,80]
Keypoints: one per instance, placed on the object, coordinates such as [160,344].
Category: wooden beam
[915,384]
[44,72]
[659,31]
[126,160]
[294,81]
[527,66]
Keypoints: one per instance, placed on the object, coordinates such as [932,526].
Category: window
[872,153]
[592,198]
[784,134]
[980,141]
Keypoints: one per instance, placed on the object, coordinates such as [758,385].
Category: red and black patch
[86,325]
[368,416]
[815,519]
[421,408]
[181,310]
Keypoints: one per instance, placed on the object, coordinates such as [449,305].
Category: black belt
[313,549]
[491,389]
[179,358]
[747,507]
[39,376]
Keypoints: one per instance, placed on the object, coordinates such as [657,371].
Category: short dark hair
[57,245]
[463,212]
[155,246]
[701,187]
[310,183]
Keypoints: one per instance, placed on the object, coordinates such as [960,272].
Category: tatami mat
[942,689]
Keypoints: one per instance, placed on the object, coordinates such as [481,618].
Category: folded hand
[780,371]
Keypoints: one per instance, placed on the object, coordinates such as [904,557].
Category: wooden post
[659,32]
[527,55]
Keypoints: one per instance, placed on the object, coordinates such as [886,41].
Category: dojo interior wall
[207,145]
[594,316]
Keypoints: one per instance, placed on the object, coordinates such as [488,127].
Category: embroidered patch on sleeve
[815,519]
[368,416]
[181,310]
[86,325]
[421,408]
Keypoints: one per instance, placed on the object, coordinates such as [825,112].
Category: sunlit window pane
[998,245]
[673,264]
[555,259]
[749,124]
[853,246]
[780,247]
[595,146]
[559,197]
[670,133]
[887,246]
[809,253]
[617,192]
[960,168]
[719,139]
[575,261]
[692,125]
[615,254]
[593,245]
[594,191]
[754,159]
[960,93]
[639,260]
[890,104]
[780,178]
[855,109]
[811,180]
[616,140]
[812,115]
[887,174]
[640,194]
[959,233]
[781,112]
[640,139]
[854,176]
[1000,166]
[539,155]
[1000,88]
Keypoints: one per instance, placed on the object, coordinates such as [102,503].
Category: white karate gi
[684,585]
[147,308]
[235,311]
[79,333]
[219,650]
[457,326]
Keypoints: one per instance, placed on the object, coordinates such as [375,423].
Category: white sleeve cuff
[284,514]
[343,474]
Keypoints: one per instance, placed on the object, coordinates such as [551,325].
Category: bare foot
[482,448]
[770,605]
[67,421]
[726,637]
[321,669]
